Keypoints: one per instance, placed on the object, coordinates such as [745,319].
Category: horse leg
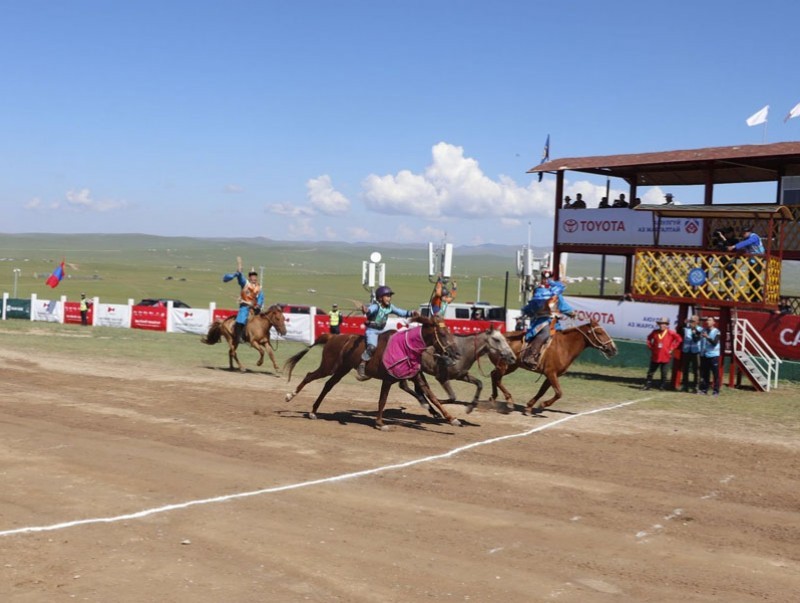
[497,383]
[335,378]
[272,356]
[478,389]
[417,393]
[232,355]
[319,373]
[385,387]
[260,349]
[423,383]
[553,380]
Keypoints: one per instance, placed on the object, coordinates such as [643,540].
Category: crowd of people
[619,202]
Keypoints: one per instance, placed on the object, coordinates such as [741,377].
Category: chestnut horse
[257,333]
[565,346]
[342,353]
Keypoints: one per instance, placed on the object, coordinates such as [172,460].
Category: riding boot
[238,332]
[530,356]
[361,372]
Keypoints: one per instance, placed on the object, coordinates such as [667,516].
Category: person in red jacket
[662,343]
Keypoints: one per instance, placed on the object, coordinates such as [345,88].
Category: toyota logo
[570,225]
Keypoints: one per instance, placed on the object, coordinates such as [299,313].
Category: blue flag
[545,155]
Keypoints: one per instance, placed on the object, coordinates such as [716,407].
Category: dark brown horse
[559,354]
[342,353]
[257,333]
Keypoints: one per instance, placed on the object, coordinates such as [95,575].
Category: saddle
[403,353]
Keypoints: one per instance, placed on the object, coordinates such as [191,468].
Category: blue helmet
[383,290]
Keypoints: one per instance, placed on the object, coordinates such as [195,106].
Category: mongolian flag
[55,278]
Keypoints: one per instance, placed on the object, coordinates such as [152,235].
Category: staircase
[754,356]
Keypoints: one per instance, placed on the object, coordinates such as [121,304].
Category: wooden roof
[718,165]
[762,211]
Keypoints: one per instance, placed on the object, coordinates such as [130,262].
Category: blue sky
[364,120]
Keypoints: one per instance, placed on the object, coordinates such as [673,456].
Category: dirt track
[629,504]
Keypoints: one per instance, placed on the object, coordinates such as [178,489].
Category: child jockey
[377,314]
[546,304]
[251,297]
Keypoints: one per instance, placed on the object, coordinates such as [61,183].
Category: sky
[366,121]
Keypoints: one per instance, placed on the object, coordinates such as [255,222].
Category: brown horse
[257,333]
[564,347]
[342,353]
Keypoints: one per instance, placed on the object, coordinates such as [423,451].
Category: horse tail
[292,362]
[214,333]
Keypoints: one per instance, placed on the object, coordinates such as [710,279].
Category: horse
[342,353]
[470,348]
[257,333]
[565,346]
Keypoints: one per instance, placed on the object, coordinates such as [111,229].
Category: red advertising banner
[151,318]
[72,313]
[780,331]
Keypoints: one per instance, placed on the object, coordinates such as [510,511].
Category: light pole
[17,272]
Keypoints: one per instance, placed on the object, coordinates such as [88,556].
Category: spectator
[662,342]
[620,202]
[567,202]
[690,353]
[751,245]
[636,202]
[668,199]
[579,203]
[335,317]
[603,203]
[709,357]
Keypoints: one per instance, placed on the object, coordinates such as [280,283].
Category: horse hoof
[471,407]
[382,427]
[289,397]
[311,415]
[455,423]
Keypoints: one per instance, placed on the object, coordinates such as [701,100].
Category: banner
[626,227]
[18,308]
[48,310]
[620,319]
[189,320]
[298,328]
[150,318]
[113,315]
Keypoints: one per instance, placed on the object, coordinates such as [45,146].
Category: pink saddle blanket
[403,352]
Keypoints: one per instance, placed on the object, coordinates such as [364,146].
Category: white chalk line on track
[315,482]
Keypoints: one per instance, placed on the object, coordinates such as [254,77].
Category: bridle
[593,339]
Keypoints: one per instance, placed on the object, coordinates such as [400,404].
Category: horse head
[597,338]
[276,318]
[436,334]
[498,345]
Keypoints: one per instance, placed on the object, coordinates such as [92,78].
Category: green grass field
[121,267]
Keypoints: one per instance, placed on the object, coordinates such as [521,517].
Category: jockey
[546,305]
[442,296]
[251,297]
[377,313]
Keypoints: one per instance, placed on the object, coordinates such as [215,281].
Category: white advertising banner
[626,227]
[189,320]
[47,310]
[112,315]
[298,328]
[621,319]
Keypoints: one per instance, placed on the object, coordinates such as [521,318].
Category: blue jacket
[537,308]
[710,344]
[752,245]
[377,315]
[692,340]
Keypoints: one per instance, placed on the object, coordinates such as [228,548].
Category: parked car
[162,302]
[295,309]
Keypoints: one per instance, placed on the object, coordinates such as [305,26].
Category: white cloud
[324,198]
[234,188]
[288,209]
[454,186]
[35,203]
[82,200]
[302,228]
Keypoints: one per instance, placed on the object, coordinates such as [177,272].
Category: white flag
[793,113]
[759,117]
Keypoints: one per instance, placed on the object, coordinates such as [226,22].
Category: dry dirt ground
[135,483]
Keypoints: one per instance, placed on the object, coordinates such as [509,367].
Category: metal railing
[749,345]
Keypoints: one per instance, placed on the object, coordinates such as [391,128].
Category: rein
[594,340]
